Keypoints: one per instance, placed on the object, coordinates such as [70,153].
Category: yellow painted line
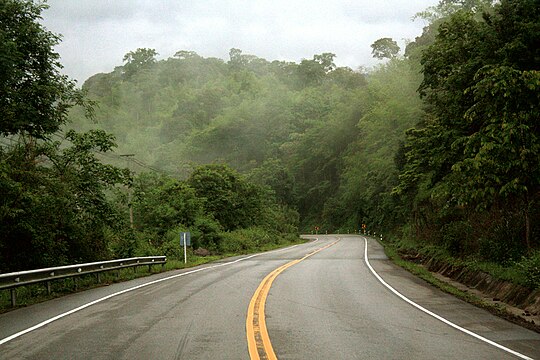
[259,344]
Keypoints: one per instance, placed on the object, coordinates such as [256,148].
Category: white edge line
[57,317]
[438,317]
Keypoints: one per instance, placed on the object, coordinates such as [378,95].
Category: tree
[185,54]
[162,203]
[312,72]
[385,48]
[502,158]
[236,59]
[479,147]
[278,178]
[326,60]
[231,200]
[446,8]
[53,207]
[138,60]
[34,96]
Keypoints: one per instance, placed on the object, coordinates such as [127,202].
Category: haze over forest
[437,145]
[275,30]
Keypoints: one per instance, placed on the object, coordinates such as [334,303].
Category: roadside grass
[511,271]
[392,251]
[33,294]
[420,271]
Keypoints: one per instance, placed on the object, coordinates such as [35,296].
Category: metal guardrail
[21,278]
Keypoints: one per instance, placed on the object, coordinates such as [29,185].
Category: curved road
[329,305]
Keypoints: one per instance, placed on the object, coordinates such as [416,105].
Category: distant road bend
[336,297]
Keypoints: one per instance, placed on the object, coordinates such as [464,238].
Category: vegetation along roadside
[439,145]
[33,294]
[501,290]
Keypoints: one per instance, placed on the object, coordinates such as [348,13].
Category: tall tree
[138,60]
[231,200]
[53,207]
[480,145]
[34,96]
[385,48]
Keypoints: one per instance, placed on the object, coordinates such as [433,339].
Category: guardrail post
[13,297]
[98,275]
[48,288]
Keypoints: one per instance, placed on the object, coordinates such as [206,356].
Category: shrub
[500,248]
[530,267]
[245,240]
[455,237]
[504,244]
[145,247]
[170,246]
[206,234]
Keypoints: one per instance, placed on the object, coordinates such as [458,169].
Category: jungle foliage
[61,203]
[438,144]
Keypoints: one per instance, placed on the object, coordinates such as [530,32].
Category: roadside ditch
[513,302]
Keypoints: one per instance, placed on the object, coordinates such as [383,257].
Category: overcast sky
[98,33]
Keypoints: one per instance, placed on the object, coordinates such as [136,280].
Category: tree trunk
[527,224]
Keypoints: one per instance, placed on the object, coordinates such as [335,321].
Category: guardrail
[13,280]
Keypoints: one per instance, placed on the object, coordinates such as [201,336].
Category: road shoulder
[455,310]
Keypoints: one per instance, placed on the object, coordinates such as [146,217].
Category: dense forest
[439,143]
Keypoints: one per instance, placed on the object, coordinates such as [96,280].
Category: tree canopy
[478,148]
[385,48]
[440,144]
[34,96]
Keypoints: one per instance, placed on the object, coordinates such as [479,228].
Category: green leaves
[232,201]
[162,203]
[54,207]
[482,141]
[385,48]
[507,148]
[34,96]
[138,60]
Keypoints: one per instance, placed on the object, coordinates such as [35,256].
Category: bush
[504,244]
[170,245]
[500,249]
[145,247]
[122,244]
[243,240]
[455,237]
[530,267]
[206,234]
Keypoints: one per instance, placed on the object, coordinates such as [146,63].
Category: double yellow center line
[259,344]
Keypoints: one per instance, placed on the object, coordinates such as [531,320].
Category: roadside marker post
[185,241]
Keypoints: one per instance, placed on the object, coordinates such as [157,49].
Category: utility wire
[136,161]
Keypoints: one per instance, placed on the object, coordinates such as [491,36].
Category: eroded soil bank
[514,302]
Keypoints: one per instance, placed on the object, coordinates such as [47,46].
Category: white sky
[98,33]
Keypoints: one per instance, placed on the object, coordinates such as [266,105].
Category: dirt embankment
[514,302]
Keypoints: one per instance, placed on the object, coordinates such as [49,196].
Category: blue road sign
[187,236]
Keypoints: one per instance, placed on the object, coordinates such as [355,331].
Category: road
[329,305]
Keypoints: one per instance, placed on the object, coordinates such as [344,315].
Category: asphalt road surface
[329,305]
